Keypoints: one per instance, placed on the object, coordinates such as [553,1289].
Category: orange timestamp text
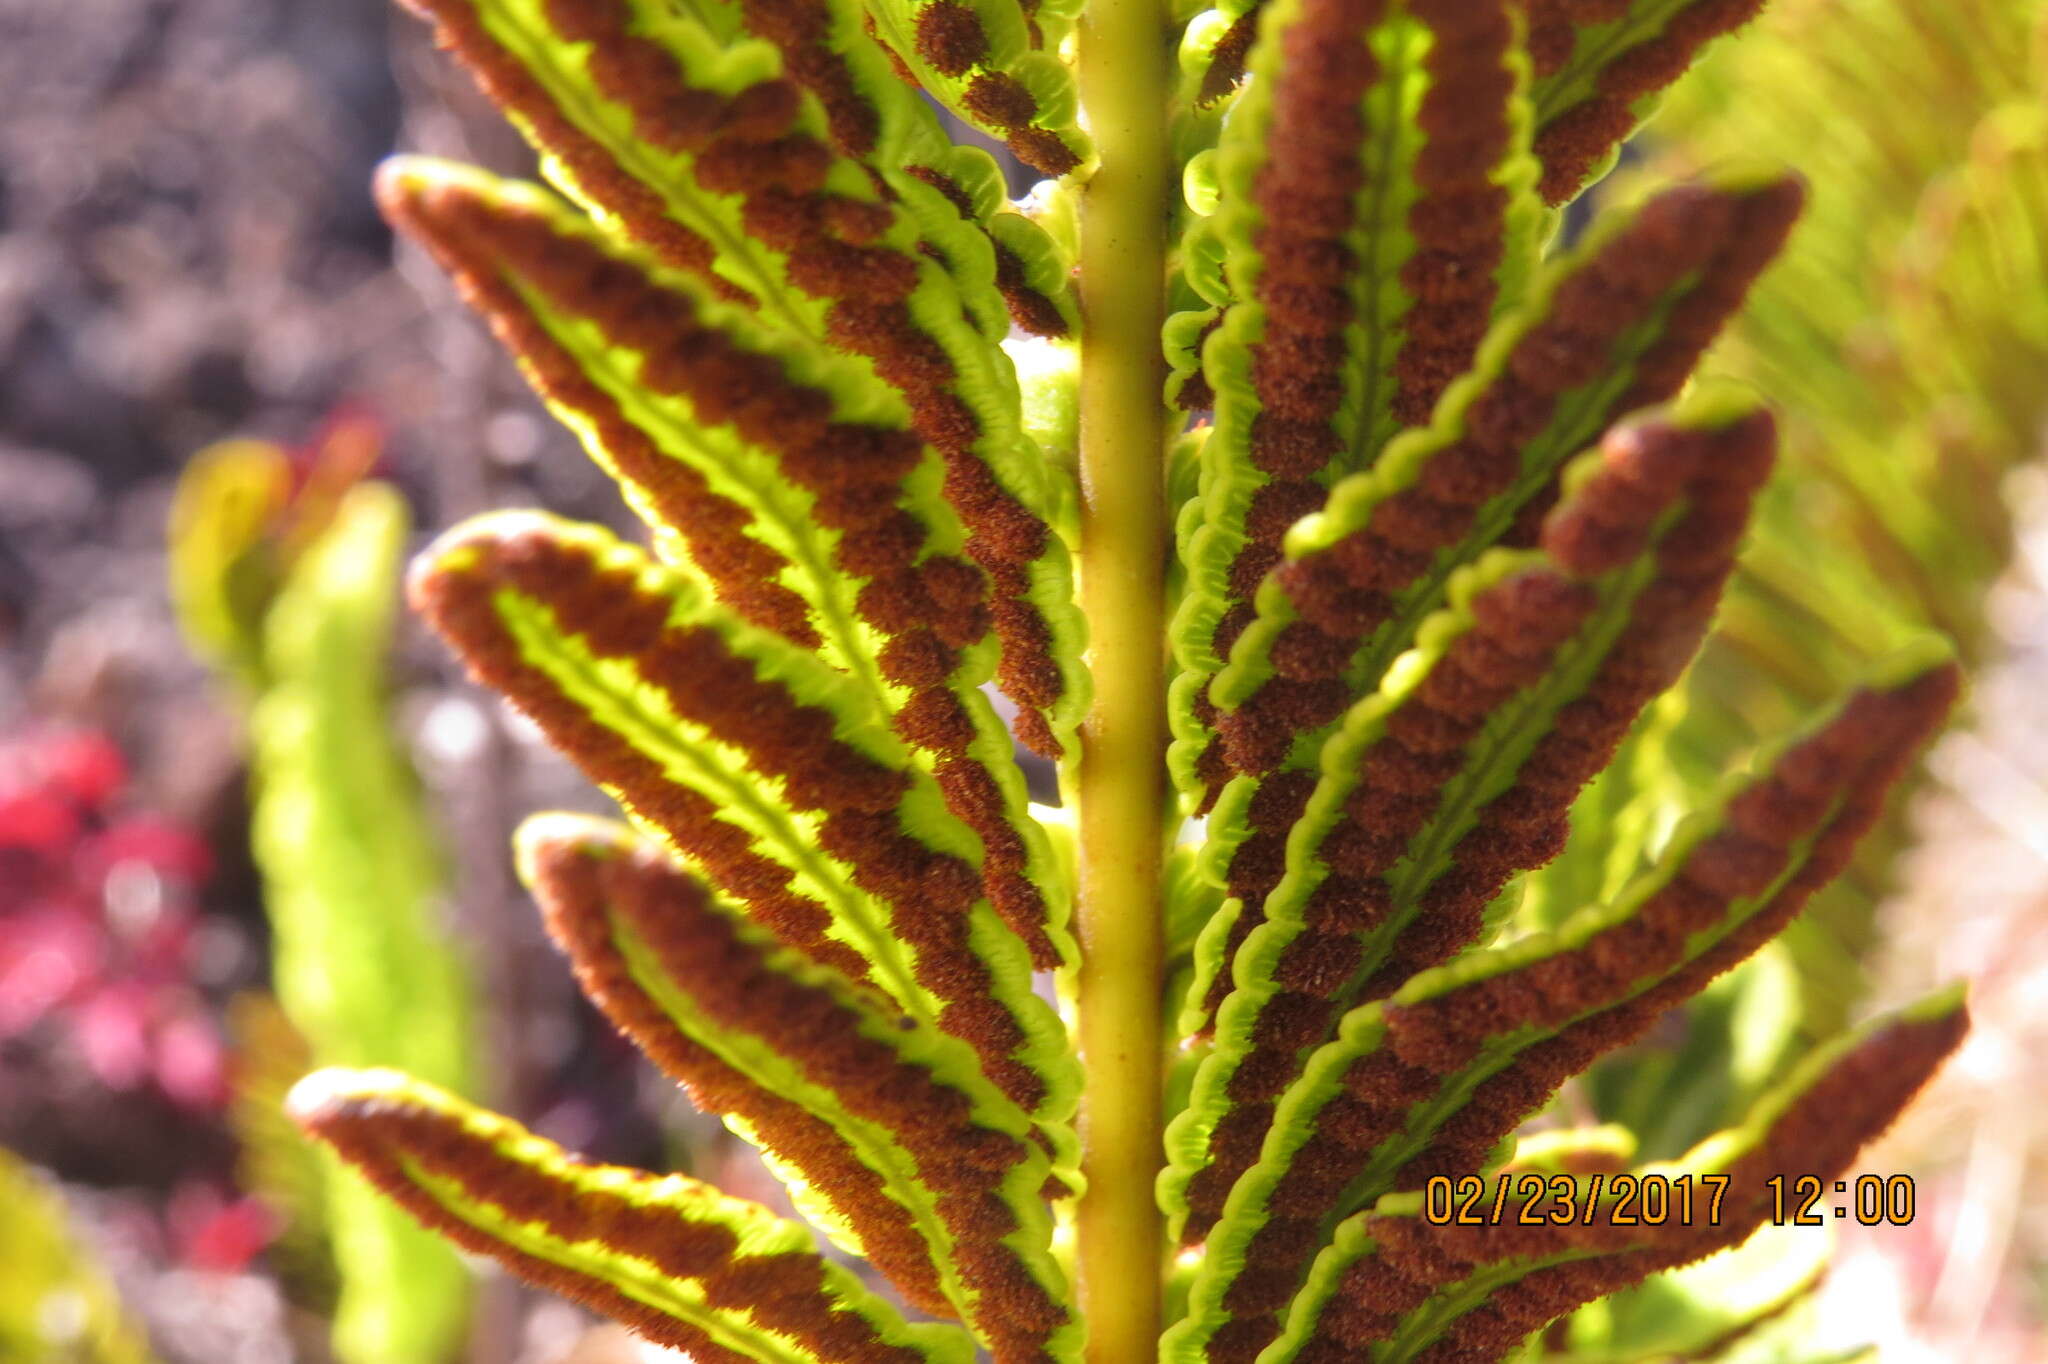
[1652,1199]
[1533,1199]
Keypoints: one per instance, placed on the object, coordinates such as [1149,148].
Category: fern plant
[1324,647]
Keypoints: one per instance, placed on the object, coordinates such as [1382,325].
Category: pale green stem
[1119,1247]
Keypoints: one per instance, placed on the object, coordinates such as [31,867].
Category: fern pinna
[1325,645]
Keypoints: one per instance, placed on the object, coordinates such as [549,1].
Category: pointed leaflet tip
[539,842]
[331,1095]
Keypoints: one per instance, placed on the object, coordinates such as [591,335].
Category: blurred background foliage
[1904,342]
[54,1303]
[284,571]
[188,256]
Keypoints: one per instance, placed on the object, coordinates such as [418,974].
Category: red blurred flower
[215,1231]
[97,912]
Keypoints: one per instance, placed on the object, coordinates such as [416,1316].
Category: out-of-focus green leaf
[222,572]
[353,884]
[1903,337]
[277,1163]
[284,570]
[56,1307]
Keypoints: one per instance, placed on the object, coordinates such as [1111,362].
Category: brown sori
[1459,222]
[1829,789]
[1580,136]
[586,884]
[1554,28]
[1305,195]
[1227,58]
[1029,309]
[950,40]
[1518,624]
[458,227]
[926,608]
[1712,242]
[1194,393]
[1717,473]
[1705,242]
[928,893]
[782,1292]
[1819,1134]
[1837,766]
[747,145]
[801,30]
[1512,645]
[1260,861]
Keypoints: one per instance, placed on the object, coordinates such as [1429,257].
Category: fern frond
[1431,1081]
[684,142]
[1439,536]
[1436,790]
[797,490]
[1411,1290]
[1923,239]
[291,590]
[1612,328]
[687,1266]
[760,764]
[753,1030]
[1377,208]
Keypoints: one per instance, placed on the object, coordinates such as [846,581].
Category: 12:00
[1879,1200]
